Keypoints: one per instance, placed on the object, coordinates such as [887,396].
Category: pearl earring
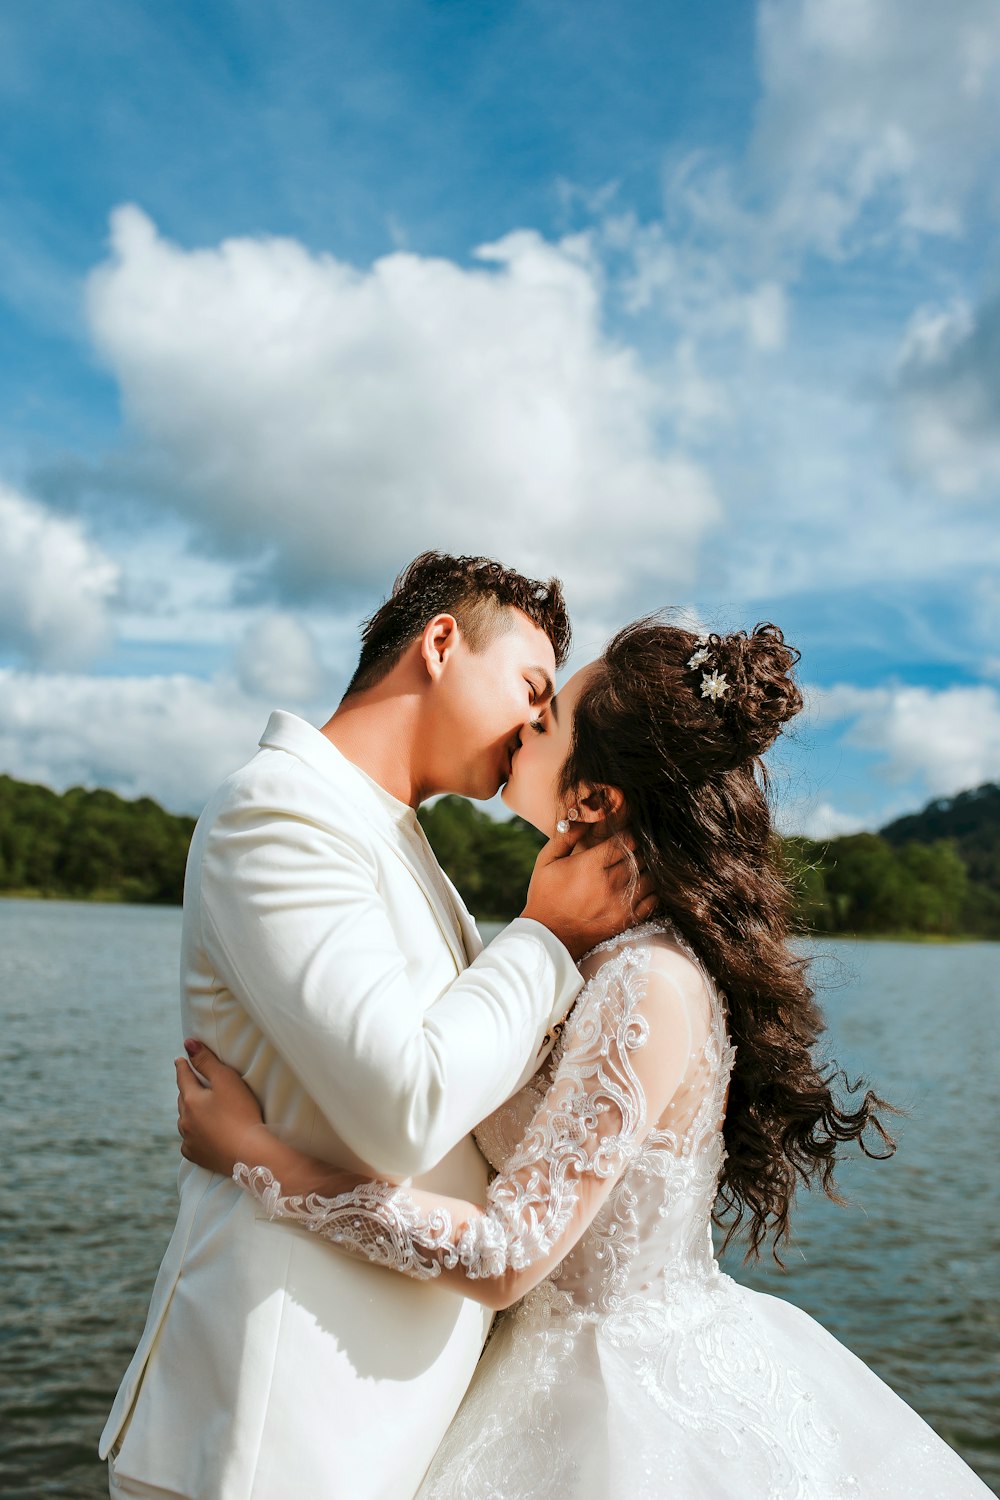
[564,823]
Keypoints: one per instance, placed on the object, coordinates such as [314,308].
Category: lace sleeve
[625,1049]
[375,1219]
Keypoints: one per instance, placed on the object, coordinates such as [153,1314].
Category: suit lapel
[289,733]
[448,922]
[471,935]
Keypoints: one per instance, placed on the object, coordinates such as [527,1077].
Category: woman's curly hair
[695,790]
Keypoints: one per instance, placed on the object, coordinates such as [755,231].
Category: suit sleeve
[294,921]
[628,1046]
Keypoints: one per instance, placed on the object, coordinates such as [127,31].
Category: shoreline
[85,898]
[112,898]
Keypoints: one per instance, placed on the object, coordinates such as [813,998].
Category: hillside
[935,873]
[971,820]
[861,884]
[89,845]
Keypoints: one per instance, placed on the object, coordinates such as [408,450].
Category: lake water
[906,1276]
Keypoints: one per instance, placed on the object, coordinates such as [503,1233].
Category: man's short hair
[476,590]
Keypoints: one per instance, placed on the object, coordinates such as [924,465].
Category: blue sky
[694,305]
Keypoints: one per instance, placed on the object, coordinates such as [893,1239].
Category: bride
[686,1086]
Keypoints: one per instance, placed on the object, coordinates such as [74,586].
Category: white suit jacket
[328,958]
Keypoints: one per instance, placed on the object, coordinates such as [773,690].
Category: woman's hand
[217,1120]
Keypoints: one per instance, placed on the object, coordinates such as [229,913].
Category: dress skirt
[717,1393]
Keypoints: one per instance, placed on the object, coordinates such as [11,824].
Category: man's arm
[295,924]
[651,1028]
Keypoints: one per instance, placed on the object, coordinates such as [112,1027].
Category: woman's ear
[598,803]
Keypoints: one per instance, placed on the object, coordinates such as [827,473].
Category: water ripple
[905,1275]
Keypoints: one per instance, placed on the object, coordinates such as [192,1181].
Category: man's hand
[217,1120]
[585,892]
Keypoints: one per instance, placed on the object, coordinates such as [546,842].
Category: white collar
[286,731]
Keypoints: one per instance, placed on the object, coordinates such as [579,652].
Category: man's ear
[598,803]
[441,637]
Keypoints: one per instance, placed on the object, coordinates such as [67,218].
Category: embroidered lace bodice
[607,1162]
[661,1013]
[631,1366]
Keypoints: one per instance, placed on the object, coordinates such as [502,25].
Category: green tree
[804,870]
[862,878]
[490,862]
[941,886]
[94,843]
[90,843]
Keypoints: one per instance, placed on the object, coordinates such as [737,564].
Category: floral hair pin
[713,684]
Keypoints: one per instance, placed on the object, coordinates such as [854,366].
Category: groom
[327,956]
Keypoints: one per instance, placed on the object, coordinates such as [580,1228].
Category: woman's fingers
[202,1057]
[188,1082]
[190,1090]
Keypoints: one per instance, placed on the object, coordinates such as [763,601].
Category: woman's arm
[220,1123]
[626,1049]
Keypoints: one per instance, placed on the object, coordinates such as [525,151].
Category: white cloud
[818,820]
[874,129]
[947,397]
[874,110]
[815,499]
[766,313]
[705,292]
[948,739]
[345,420]
[321,423]
[56,585]
[278,658]
[173,738]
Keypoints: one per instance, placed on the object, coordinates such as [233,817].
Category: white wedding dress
[633,1367]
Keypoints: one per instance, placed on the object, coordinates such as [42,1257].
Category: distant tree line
[936,873]
[490,862]
[861,884]
[971,820]
[89,845]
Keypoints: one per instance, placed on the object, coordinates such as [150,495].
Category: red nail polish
[191,1046]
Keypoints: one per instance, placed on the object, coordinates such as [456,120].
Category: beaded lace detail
[673,1167]
[588,1125]
[638,1368]
[633,1366]
[377,1220]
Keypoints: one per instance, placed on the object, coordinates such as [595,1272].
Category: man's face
[483,701]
